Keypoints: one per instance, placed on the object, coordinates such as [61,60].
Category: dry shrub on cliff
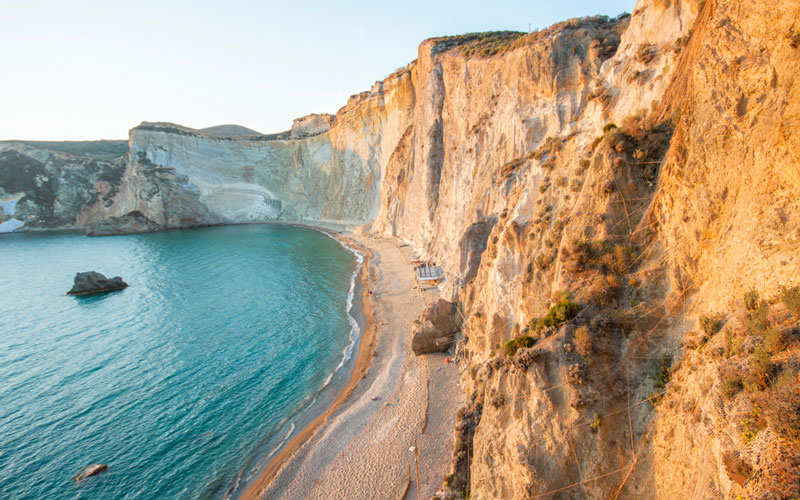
[543,260]
[751,300]
[583,342]
[617,260]
[794,38]
[480,44]
[601,292]
[649,141]
[647,52]
[509,168]
[711,323]
[602,95]
[791,298]
[734,464]
[782,407]
[762,368]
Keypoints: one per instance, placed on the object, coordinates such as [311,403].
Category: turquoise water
[181,383]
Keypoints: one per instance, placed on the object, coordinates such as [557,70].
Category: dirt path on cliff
[362,451]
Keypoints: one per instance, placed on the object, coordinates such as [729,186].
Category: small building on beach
[428,276]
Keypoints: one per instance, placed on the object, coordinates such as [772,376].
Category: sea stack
[93,282]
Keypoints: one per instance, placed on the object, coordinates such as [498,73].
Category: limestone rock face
[661,142]
[325,169]
[132,222]
[48,189]
[93,282]
[437,322]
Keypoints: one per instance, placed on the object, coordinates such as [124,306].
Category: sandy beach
[359,447]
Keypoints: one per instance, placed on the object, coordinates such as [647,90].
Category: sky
[84,70]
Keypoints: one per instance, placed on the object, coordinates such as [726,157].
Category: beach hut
[429,276]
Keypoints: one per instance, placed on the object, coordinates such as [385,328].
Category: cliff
[57,185]
[614,202]
[618,251]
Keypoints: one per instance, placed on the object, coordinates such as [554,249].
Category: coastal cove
[227,343]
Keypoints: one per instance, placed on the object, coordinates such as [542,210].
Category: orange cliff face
[515,177]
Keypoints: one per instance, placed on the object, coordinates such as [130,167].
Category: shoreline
[360,448]
[361,364]
[347,450]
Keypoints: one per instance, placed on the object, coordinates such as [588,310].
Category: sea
[227,341]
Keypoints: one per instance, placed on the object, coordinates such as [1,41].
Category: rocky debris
[90,470]
[311,125]
[457,483]
[93,282]
[438,321]
[525,357]
[132,222]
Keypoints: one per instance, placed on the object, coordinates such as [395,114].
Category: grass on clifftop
[479,44]
[99,150]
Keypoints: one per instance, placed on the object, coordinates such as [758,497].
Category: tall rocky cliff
[615,204]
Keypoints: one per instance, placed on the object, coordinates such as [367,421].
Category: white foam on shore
[347,353]
[283,442]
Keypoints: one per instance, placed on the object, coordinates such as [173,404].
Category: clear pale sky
[80,70]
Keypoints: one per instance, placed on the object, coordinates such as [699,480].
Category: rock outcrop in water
[132,222]
[90,470]
[621,194]
[92,282]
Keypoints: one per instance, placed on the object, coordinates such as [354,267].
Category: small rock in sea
[93,282]
[90,470]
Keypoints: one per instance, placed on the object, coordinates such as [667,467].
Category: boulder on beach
[93,282]
[90,470]
[435,328]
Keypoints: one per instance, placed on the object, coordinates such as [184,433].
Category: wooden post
[416,466]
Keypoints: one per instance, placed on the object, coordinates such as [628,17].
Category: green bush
[662,373]
[609,127]
[791,298]
[731,387]
[597,422]
[751,300]
[752,424]
[782,410]
[757,321]
[733,343]
[562,311]
[761,366]
[711,323]
[520,342]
